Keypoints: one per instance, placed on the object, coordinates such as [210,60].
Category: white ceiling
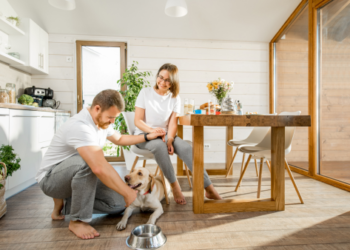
[235,20]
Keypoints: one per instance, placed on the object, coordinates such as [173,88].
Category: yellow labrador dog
[150,193]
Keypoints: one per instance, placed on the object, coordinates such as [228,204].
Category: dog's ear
[153,181]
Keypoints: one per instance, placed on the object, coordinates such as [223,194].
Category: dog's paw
[121,226]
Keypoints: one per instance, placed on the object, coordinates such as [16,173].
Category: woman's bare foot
[178,196]
[83,230]
[56,213]
[211,193]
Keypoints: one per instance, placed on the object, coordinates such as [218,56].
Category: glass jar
[4,97]
[186,106]
[11,89]
[191,107]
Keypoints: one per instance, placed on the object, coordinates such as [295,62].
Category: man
[74,171]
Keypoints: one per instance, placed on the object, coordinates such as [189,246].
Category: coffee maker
[39,94]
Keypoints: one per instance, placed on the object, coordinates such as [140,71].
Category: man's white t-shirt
[79,131]
[158,108]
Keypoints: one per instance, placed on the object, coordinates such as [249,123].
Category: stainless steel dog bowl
[146,237]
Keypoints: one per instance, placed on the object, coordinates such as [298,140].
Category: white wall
[10,75]
[199,61]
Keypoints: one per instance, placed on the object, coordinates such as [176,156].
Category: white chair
[257,134]
[262,151]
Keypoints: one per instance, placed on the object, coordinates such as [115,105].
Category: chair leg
[268,165]
[164,186]
[293,181]
[256,167]
[135,162]
[260,175]
[155,174]
[243,158]
[144,163]
[231,164]
[188,176]
[245,168]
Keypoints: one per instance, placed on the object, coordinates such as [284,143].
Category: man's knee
[77,160]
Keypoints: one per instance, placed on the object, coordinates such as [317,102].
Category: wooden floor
[323,222]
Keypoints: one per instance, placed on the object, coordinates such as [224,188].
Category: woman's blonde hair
[174,78]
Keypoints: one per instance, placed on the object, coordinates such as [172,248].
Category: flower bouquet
[220,88]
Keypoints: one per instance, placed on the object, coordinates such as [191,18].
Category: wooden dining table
[277,124]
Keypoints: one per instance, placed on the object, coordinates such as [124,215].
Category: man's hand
[130,197]
[170,146]
[155,134]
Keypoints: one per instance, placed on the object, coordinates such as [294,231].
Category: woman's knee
[157,146]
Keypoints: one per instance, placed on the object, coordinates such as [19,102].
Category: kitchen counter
[25,107]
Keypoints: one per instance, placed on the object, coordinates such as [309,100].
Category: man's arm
[126,140]
[94,157]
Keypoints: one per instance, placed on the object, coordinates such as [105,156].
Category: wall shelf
[10,59]
[10,29]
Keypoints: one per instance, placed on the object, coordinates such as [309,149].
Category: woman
[156,110]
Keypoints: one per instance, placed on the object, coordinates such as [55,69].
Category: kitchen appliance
[51,103]
[39,94]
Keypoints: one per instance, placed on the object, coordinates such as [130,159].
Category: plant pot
[3,206]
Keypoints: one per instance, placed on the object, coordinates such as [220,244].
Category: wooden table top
[246,120]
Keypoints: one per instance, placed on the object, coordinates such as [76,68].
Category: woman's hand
[170,146]
[156,134]
[159,130]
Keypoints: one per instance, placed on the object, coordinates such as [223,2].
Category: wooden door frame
[314,5]
[79,45]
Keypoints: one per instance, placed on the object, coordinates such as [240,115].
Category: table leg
[277,167]
[198,169]
[180,133]
[229,149]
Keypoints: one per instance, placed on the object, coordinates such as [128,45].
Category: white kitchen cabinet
[24,140]
[32,47]
[4,130]
[46,127]
[61,119]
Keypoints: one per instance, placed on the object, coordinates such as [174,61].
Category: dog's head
[140,179]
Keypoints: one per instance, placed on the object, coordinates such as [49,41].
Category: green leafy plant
[11,159]
[12,18]
[134,81]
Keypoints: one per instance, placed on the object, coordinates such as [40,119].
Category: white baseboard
[15,190]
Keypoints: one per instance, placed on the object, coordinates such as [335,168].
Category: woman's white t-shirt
[158,108]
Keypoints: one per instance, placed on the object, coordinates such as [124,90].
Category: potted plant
[13,20]
[9,163]
[134,81]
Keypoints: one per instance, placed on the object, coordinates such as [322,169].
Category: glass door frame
[123,63]
[313,88]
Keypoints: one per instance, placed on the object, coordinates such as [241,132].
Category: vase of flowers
[220,88]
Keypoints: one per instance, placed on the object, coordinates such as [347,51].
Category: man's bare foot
[211,193]
[83,230]
[56,213]
[178,196]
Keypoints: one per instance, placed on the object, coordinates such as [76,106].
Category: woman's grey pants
[83,193]
[160,152]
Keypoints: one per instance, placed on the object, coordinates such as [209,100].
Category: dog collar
[149,191]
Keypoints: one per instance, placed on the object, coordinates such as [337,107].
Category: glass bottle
[11,90]
[4,97]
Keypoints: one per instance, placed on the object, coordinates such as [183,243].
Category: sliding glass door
[291,80]
[334,90]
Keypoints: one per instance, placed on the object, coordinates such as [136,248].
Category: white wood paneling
[199,61]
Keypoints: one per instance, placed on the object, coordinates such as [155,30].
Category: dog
[150,194]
